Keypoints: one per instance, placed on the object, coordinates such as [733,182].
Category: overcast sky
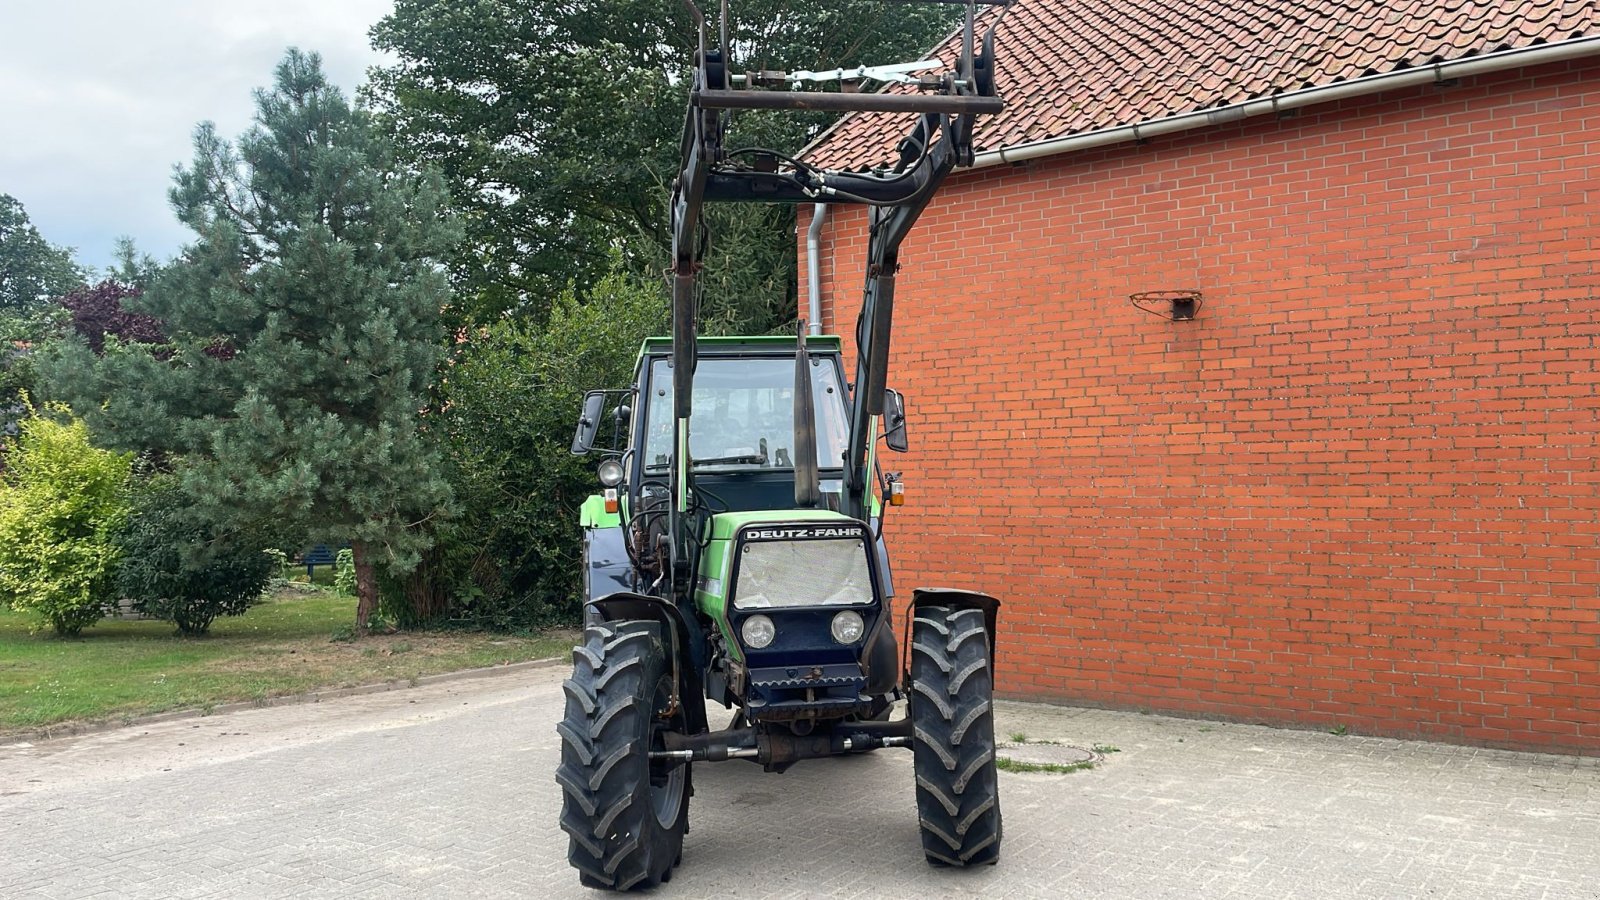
[99,99]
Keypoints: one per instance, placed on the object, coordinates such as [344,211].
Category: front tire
[626,817]
[958,791]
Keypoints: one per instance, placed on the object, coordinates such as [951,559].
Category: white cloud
[99,98]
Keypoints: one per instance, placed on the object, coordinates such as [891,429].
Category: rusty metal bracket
[1179,306]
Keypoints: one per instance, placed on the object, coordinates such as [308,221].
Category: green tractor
[736,553]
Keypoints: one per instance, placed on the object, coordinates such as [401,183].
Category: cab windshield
[743,415]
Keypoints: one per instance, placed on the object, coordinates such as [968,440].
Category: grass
[1012,765]
[1018,737]
[122,669]
[1006,764]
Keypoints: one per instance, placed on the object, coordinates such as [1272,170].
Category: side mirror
[894,421]
[594,404]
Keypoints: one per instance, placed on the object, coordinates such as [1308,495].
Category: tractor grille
[803,573]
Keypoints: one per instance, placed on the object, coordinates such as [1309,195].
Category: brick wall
[1361,489]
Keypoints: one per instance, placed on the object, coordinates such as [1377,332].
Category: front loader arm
[889,226]
[940,140]
[702,146]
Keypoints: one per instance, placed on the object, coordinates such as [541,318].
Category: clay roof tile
[1070,66]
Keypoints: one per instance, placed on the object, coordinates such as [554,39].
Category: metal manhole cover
[1042,754]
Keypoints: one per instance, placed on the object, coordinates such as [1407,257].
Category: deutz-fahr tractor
[736,553]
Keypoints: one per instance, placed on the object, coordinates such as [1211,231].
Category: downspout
[1359,87]
[819,214]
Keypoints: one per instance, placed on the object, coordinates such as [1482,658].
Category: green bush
[175,567]
[280,564]
[344,573]
[510,399]
[61,505]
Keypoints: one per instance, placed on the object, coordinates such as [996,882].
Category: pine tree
[302,329]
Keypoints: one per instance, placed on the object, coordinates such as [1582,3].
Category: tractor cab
[741,433]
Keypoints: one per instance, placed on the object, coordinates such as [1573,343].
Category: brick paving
[446,791]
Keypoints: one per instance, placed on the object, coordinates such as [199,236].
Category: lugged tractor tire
[625,818]
[952,717]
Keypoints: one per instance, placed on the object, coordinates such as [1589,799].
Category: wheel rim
[666,776]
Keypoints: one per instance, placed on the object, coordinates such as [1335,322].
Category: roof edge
[1498,61]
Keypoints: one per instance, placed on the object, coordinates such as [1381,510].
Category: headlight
[758,631]
[611,473]
[848,627]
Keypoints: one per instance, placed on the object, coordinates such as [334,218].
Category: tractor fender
[959,599]
[688,642]
[606,567]
[880,657]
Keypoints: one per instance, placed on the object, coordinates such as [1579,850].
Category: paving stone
[447,791]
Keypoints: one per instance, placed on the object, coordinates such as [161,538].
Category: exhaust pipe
[807,492]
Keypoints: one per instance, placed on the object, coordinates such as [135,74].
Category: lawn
[119,669]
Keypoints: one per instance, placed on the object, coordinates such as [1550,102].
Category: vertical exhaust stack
[807,493]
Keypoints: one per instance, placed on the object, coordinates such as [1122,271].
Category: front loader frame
[940,140]
[635,718]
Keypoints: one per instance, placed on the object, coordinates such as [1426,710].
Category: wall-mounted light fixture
[1179,306]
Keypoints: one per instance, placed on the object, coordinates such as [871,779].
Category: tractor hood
[726,526]
[795,595]
[796,563]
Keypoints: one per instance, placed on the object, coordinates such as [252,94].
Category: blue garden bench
[317,555]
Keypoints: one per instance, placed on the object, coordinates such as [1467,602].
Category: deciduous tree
[511,398]
[557,126]
[101,311]
[32,270]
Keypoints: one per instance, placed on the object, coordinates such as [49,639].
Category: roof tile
[1071,66]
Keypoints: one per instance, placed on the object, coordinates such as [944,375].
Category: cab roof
[762,344]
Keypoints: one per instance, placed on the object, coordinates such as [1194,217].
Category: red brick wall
[1361,489]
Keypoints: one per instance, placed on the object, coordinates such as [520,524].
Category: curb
[96,726]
